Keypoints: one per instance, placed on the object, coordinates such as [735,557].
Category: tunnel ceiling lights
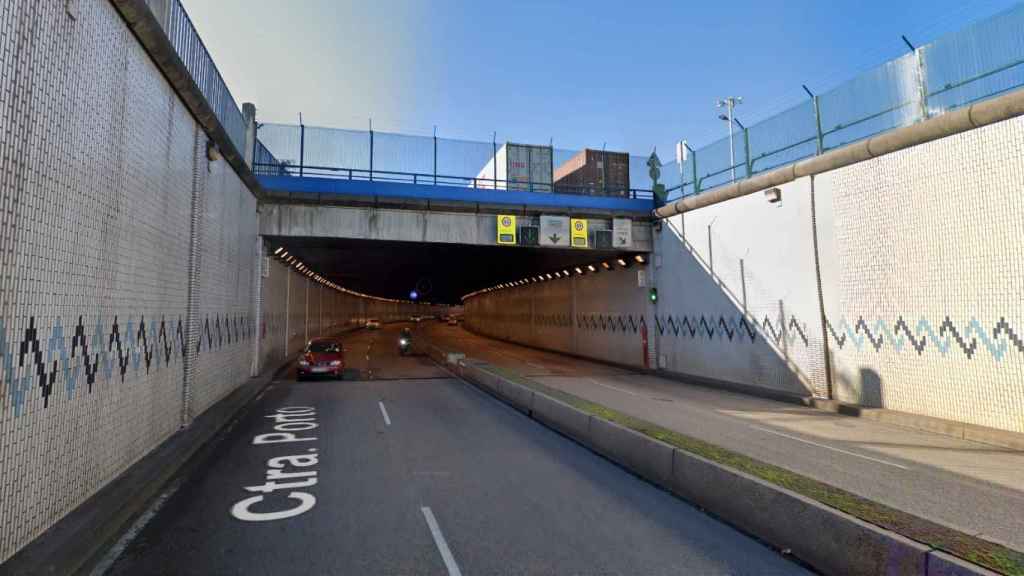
[579,270]
[639,259]
[606,266]
[591,267]
[279,248]
[622,262]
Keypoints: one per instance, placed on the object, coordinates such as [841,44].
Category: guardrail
[979,62]
[483,184]
[193,54]
[301,150]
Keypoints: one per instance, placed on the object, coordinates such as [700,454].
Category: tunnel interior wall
[225,283]
[738,298]
[128,261]
[921,304]
[601,316]
[919,307]
[98,163]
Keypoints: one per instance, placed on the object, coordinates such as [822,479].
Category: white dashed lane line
[442,546]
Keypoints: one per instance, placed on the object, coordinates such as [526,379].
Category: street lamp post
[730,103]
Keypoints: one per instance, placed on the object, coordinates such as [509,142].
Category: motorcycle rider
[404,341]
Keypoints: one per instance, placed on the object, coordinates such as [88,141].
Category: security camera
[773,195]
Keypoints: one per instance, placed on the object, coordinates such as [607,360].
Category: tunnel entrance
[439,273]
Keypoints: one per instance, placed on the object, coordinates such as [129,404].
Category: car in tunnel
[373,324]
[322,357]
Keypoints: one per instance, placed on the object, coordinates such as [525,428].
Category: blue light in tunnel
[414,295]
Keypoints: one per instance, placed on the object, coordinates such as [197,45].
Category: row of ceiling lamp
[579,270]
[300,267]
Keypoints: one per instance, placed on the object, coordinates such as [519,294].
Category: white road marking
[384,411]
[115,552]
[442,546]
[886,462]
[623,390]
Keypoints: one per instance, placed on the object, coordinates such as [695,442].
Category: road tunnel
[440,273]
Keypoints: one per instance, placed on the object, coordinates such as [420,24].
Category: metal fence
[194,55]
[981,61]
[299,150]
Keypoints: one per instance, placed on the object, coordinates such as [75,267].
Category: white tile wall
[924,235]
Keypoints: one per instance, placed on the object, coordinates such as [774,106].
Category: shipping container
[518,167]
[594,172]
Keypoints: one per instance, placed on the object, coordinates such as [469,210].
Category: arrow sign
[554,230]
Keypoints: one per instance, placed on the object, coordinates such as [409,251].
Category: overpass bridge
[198,252]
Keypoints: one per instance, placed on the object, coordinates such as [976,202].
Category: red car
[322,356]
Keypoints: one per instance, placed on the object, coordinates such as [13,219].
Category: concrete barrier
[825,538]
[562,417]
[643,455]
[519,396]
[481,378]
[942,564]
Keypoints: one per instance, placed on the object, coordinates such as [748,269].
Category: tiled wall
[104,175]
[921,300]
[922,283]
[602,316]
[738,299]
[923,266]
[96,165]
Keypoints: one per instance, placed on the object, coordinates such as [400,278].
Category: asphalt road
[973,487]
[414,472]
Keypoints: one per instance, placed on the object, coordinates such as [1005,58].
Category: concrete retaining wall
[919,307]
[128,260]
[916,310]
[602,316]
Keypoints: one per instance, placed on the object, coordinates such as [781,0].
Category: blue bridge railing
[311,151]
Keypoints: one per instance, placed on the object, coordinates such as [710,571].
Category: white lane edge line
[616,388]
[384,411]
[887,463]
[442,546]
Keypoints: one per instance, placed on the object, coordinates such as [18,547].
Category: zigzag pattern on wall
[610,323]
[998,343]
[553,320]
[136,346]
[731,328]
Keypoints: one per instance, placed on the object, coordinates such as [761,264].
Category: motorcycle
[404,345]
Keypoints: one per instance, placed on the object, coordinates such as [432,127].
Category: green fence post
[817,121]
[746,151]
[696,183]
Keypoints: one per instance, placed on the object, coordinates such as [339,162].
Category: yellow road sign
[578,231]
[506,229]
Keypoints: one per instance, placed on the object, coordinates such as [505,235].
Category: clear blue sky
[631,74]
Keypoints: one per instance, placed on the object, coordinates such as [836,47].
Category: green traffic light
[653,294]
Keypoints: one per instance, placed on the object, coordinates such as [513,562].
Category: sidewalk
[974,488]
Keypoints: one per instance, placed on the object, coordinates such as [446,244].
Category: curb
[952,428]
[814,533]
[76,542]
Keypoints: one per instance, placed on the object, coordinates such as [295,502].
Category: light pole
[730,103]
